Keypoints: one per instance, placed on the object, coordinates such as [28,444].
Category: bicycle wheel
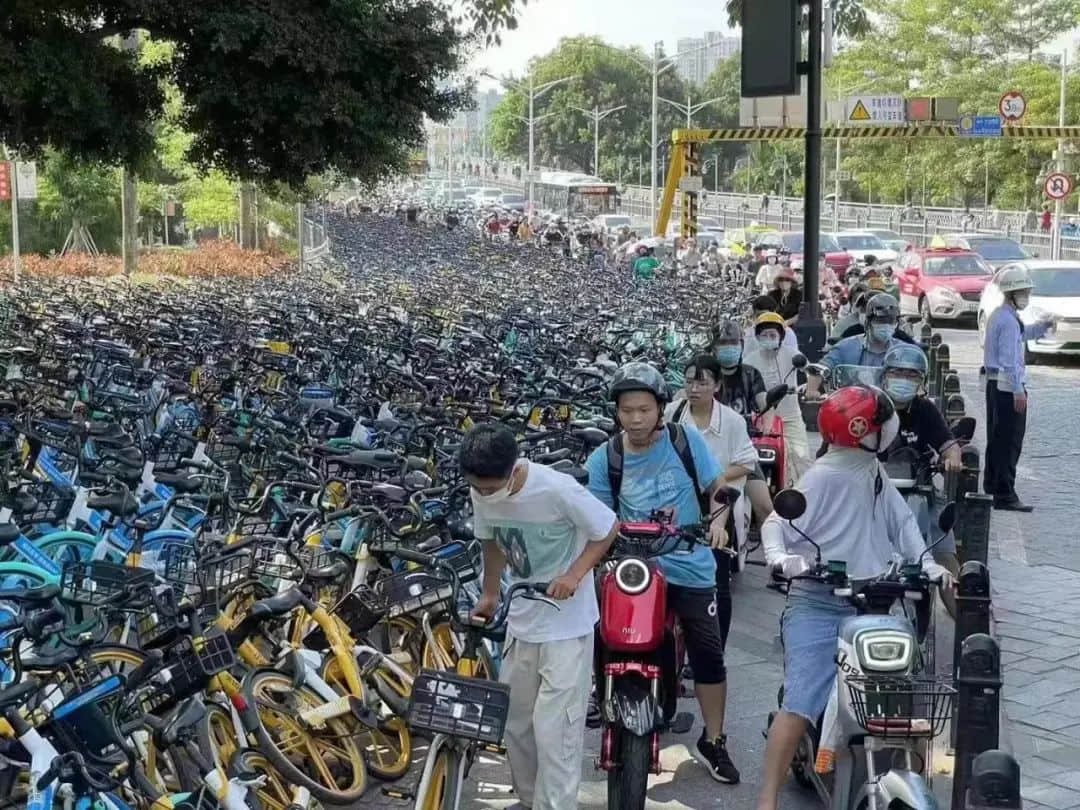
[387,749]
[217,735]
[444,782]
[327,761]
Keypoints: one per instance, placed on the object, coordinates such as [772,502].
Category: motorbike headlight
[883,651]
[632,576]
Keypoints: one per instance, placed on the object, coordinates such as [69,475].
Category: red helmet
[853,414]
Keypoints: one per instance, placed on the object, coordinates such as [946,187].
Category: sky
[542,23]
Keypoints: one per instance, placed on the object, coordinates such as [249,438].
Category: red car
[941,283]
[835,256]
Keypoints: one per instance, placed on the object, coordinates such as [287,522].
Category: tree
[1034,22]
[606,77]
[272,89]
[850,20]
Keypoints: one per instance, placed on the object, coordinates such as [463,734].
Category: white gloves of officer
[790,565]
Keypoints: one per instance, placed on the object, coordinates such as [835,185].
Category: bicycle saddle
[121,504]
[181,483]
[280,605]
[9,533]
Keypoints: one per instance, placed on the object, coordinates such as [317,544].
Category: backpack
[682,449]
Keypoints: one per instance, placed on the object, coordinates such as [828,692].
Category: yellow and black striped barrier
[861,131]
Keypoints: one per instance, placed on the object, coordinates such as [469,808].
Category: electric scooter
[886,708]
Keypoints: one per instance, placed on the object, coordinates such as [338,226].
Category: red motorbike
[639,654]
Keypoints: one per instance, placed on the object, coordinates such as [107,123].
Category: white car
[860,244]
[1057,292]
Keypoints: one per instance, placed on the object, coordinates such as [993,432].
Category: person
[1006,388]
[788,297]
[689,255]
[525,230]
[855,514]
[755,260]
[867,349]
[1046,216]
[766,274]
[740,388]
[889,283]
[764,203]
[646,263]
[729,443]
[655,477]
[922,427]
[539,525]
[852,312]
[759,306]
[776,364]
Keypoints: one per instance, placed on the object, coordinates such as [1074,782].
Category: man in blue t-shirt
[654,477]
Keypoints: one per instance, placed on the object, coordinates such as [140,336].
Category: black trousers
[1004,441]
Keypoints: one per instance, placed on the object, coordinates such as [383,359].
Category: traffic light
[770,48]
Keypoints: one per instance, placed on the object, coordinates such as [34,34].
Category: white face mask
[500,495]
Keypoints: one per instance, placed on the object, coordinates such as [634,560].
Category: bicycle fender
[633,709]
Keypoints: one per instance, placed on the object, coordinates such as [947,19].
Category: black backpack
[682,448]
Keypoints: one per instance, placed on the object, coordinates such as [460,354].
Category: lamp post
[715,161]
[689,109]
[596,115]
[534,92]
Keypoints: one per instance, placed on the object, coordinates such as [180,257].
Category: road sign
[876,110]
[694,184]
[27,180]
[5,180]
[1012,106]
[981,126]
[1058,185]
[919,109]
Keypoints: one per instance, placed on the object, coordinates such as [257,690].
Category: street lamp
[597,116]
[715,161]
[657,66]
[689,109]
[534,93]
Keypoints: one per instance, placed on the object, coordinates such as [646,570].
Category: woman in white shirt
[729,443]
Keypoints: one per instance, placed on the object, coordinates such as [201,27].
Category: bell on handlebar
[789,504]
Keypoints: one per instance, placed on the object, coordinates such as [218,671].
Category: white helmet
[1014,279]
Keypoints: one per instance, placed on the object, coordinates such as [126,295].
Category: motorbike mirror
[798,360]
[818,370]
[947,518]
[774,395]
[964,429]
[789,504]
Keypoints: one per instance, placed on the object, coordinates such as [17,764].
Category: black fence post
[995,782]
[941,365]
[978,688]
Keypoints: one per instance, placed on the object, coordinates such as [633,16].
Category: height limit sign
[1058,186]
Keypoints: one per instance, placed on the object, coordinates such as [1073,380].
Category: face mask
[728,355]
[500,495]
[881,332]
[784,285]
[900,389]
[1022,299]
[769,343]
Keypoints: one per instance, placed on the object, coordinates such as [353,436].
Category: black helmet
[728,330]
[882,307]
[637,376]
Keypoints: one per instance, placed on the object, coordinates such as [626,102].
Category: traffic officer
[1006,391]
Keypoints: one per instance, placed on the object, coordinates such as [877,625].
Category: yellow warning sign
[860,113]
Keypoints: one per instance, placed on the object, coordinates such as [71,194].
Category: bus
[573,194]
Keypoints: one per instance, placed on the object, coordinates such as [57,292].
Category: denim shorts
[809,627]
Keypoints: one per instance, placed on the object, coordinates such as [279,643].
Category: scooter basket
[445,703]
[898,706]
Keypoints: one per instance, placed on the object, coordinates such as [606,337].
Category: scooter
[886,707]
[639,652]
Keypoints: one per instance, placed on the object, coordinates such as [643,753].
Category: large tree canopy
[272,89]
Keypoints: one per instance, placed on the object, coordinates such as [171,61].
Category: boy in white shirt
[547,528]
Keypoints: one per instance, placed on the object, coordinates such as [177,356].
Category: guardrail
[315,242]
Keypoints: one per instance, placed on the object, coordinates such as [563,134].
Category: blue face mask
[900,389]
[881,332]
[728,356]
[772,343]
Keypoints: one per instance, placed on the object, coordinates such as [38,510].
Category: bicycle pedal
[392,792]
[491,748]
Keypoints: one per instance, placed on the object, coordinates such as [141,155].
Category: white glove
[791,565]
[938,573]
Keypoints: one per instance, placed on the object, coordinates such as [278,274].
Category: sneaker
[714,756]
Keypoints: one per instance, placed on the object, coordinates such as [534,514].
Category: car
[892,240]
[941,283]
[611,223]
[1056,292]
[835,256]
[513,202]
[997,250]
[860,244]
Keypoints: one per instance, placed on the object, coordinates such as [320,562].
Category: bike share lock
[978,689]
[943,358]
[995,782]
[972,606]
[973,527]
[925,333]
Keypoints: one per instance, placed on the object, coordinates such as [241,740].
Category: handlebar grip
[143,671]
[348,511]
[36,624]
[409,555]
[196,463]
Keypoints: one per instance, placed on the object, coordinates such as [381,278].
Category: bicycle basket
[411,592]
[96,582]
[157,628]
[900,706]
[180,564]
[192,663]
[50,504]
[167,451]
[445,703]
[83,721]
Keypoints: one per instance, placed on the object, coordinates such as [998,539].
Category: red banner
[5,180]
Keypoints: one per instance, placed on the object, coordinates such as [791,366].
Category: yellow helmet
[769,319]
[876,284]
